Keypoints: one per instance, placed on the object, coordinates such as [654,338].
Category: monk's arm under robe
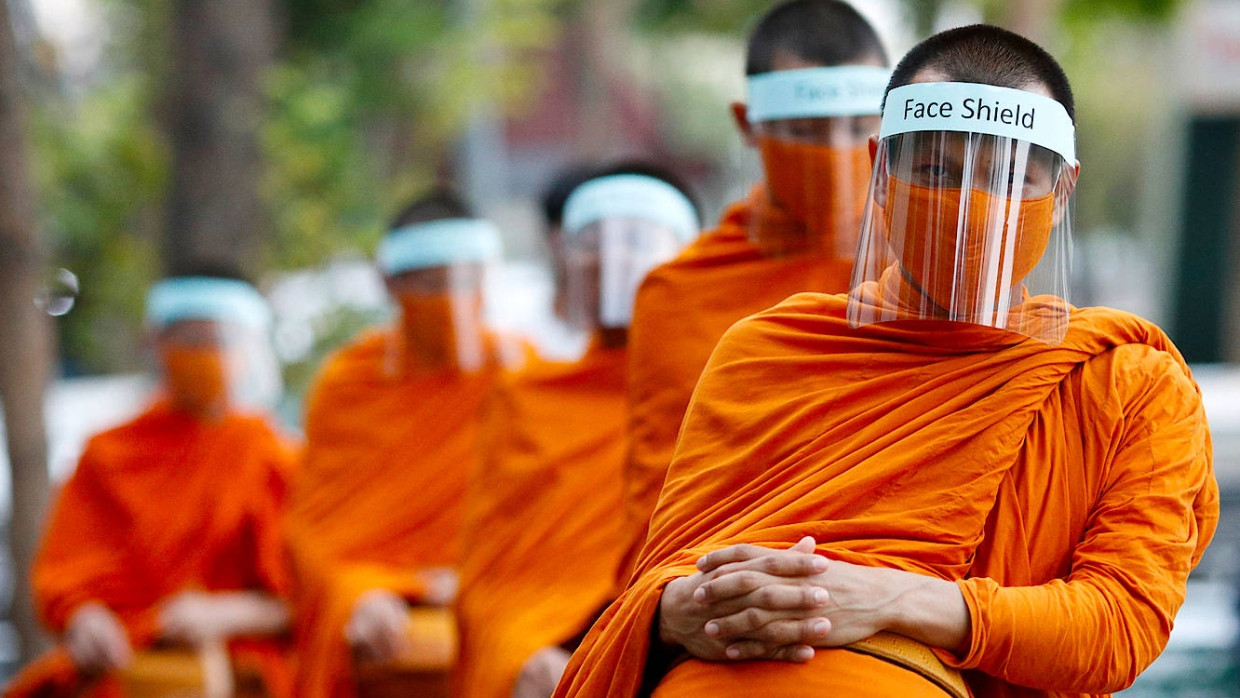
[1156,510]
[82,556]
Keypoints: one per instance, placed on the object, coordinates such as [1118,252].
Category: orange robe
[381,494]
[682,309]
[543,534]
[904,445]
[164,504]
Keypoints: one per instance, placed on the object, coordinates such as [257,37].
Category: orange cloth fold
[164,504]
[544,532]
[682,309]
[908,445]
[381,494]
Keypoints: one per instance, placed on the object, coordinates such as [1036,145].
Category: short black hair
[650,169]
[825,32]
[988,55]
[210,270]
[556,194]
[437,204]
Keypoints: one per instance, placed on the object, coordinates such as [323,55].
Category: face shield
[811,129]
[969,216]
[616,229]
[436,274]
[212,342]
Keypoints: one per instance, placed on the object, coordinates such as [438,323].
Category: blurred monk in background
[544,528]
[391,430]
[168,533]
[816,74]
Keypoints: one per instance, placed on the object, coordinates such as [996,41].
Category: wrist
[931,611]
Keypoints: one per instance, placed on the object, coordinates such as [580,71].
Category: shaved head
[812,32]
[989,56]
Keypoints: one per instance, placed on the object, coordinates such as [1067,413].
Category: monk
[779,241]
[940,470]
[168,532]
[550,484]
[391,428]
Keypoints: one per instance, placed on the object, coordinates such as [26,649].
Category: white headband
[631,196]
[845,90]
[438,244]
[206,298]
[973,108]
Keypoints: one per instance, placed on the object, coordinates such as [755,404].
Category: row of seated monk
[841,443]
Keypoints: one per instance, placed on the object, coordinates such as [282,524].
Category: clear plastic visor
[439,319]
[210,365]
[815,173]
[604,264]
[968,228]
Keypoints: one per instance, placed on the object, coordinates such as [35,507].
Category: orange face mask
[437,332]
[196,378]
[965,270]
[820,187]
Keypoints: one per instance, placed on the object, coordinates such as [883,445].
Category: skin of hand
[377,630]
[685,610]
[96,640]
[760,611]
[441,583]
[541,673]
[196,618]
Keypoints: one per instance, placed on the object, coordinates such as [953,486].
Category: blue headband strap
[845,90]
[439,243]
[631,196]
[206,298]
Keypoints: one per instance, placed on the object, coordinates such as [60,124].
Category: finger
[732,553]
[770,627]
[805,545]
[773,597]
[752,649]
[741,582]
[779,564]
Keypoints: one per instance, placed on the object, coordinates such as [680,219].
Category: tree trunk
[25,342]
[220,52]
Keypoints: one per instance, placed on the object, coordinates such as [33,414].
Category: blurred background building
[281,134]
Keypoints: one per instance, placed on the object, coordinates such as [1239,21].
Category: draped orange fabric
[381,494]
[906,445]
[543,534]
[164,504]
[682,309]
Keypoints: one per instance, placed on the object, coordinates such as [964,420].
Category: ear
[740,115]
[873,149]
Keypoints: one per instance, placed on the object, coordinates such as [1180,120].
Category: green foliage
[1082,14]
[711,16]
[102,173]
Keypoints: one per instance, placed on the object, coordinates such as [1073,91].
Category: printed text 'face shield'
[969,217]
[436,274]
[616,230]
[212,341]
[811,128]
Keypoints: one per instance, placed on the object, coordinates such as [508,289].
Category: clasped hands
[748,602]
